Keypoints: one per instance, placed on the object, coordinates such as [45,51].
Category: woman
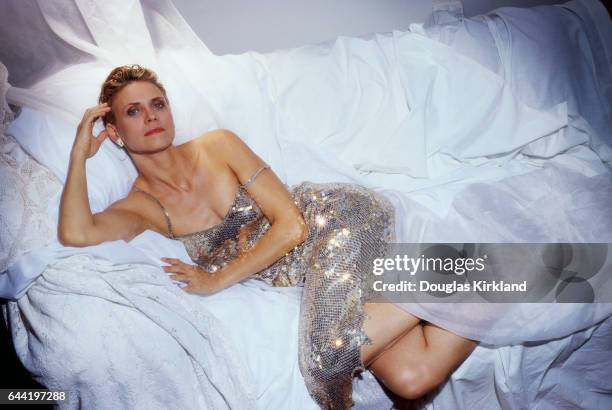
[238,220]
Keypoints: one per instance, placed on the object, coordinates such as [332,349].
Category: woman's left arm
[288,228]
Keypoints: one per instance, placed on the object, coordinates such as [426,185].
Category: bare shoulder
[223,143]
[229,146]
[212,140]
[225,148]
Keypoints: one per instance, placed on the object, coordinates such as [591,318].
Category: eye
[159,104]
[132,111]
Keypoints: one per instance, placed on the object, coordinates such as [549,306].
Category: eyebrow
[138,102]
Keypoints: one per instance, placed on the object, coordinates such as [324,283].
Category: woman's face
[143,118]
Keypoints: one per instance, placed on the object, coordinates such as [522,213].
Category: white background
[236,26]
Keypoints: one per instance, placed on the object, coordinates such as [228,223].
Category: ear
[112,132]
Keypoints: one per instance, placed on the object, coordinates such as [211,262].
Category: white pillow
[110,173]
[205,93]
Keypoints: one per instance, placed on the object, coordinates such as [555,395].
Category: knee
[411,382]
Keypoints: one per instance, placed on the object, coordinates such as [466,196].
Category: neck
[167,170]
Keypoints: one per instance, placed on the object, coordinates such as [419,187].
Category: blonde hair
[119,78]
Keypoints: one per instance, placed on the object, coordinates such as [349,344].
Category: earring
[120,142]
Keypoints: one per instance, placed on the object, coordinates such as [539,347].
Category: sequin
[349,226]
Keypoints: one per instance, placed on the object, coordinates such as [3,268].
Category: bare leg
[386,324]
[421,360]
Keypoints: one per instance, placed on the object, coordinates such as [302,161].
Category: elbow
[293,230]
[300,232]
[73,239]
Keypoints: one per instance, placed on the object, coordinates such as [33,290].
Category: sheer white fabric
[547,55]
[40,38]
[259,96]
[59,52]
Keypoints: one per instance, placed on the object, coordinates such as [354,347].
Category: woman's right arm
[77,225]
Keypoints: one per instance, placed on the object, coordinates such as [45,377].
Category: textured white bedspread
[120,334]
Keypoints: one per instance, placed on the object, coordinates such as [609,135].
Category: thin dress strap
[168,221]
[250,180]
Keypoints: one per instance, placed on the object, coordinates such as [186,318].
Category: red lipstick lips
[153,131]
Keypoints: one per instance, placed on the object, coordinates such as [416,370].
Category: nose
[151,115]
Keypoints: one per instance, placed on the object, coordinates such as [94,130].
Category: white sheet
[276,114]
[98,324]
[561,199]
[577,370]
[571,372]
[392,106]
[433,199]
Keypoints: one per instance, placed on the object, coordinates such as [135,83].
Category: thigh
[427,354]
[384,324]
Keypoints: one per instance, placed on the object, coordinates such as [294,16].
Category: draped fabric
[58,53]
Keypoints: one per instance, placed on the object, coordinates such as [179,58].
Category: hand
[198,280]
[85,145]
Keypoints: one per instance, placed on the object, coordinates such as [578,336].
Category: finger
[95,107]
[189,289]
[179,278]
[91,115]
[177,275]
[100,112]
[174,269]
[101,136]
[172,261]
[90,121]
[91,111]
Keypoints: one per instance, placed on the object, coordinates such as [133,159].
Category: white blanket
[124,336]
[303,137]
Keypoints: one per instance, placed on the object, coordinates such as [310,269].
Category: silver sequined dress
[349,226]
